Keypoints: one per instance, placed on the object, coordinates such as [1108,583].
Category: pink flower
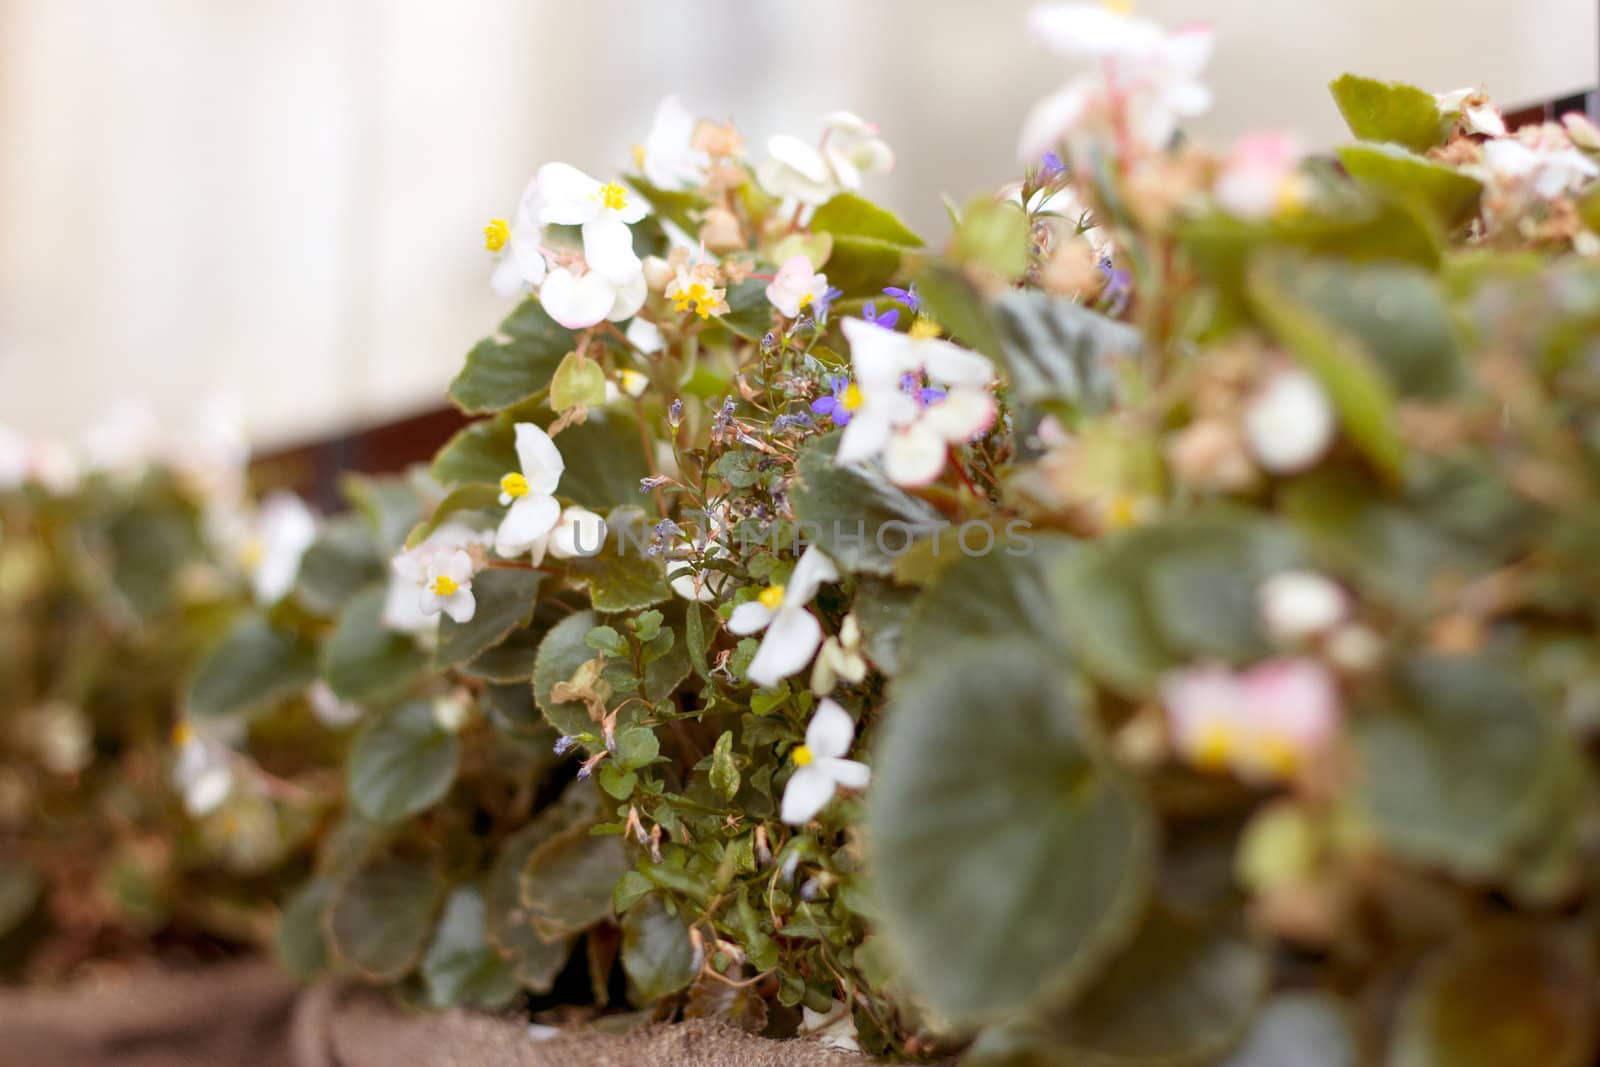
[1264,724]
[797,285]
[1261,176]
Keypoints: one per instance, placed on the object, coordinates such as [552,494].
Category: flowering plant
[1155,627]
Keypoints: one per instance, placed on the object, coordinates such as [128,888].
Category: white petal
[879,356]
[457,567]
[579,533]
[862,439]
[1051,120]
[507,277]
[212,787]
[849,773]
[844,170]
[401,611]
[526,252]
[629,299]
[608,248]
[1289,423]
[644,335]
[577,303]
[528,520]
[962,415]
[461,605]
[570,197]
[798,156]
[788,645]
[539,458]
[813,568]
[807,793]
[914,456]
[830,732]
[950,364]
[749,617]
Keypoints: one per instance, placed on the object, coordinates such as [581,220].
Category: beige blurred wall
[286,197]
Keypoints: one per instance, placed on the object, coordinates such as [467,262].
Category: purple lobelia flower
[907,296]
[923,394]
[819,308]
[888,320]
[1119,285]
[834,406]
[1050,166]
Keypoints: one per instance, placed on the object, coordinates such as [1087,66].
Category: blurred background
[285,198]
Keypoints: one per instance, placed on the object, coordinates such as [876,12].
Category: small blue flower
[888,320]
[565,744]
[907,296]
[832,406]
[1050,166]
[1119,286]
[820,307]
[784,423]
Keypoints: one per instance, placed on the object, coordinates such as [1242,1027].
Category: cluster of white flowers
[850,148]
[894,416]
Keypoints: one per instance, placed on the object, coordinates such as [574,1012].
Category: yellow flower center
[807,300]
[801,755]
[514,485]
[1123,511]
[444,585]
[632,381]
[852,398]
[924,328]
[613,196]
[696,298]
[1121,7]
[771,597]
[1280,757]
[496,234]
[1213,747]
[182,733]
[251,553]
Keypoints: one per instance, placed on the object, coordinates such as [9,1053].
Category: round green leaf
[402,763]
[863,521]
[381,916]
[567,883]
[1389,111]
[254,665]
[499,373]
[343,560]
[506,598]
[1451,195]
[562,652]
[1009,859]
[302,948]
[656,953]
[364,661]
[460,967]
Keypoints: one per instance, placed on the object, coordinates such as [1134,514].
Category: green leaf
[1504,994]
[340,562]
[996,596]
[863,521]
[1074,840]
[499,373]
[1359,392]
[391,505]
[619,583]
[1183,993]
[724,771]
[579,382]
[678,207]
[474,496]
[605,462]
[1298,1030]
[563,650]
[301,945]
[1389,111]
[381,917]
[862,266]
[256,664]
[848,215]
[482,451]
[637,746]
[1056,349]
[656,953]
[1394,310]
[749,311]
[509,661]
[567,883]
[150,545]
[402,763]
[506,598]
[460,967]
[1452,774]
[606,639]
[992,234]
[365,662]
[952,301]
[1449,194]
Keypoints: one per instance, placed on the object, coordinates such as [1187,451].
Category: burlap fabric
[251,1015]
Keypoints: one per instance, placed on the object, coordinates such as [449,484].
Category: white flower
[580,299]
[578,533]
[840,659]
[834,1028]
[1261,176]
[705,585]
[330,711]
[450,712]
[909,427]
[792,632]
[1264,723]
[1289,423]
[632,383]
[1296,605]
[284,529]
[1549,171]
[530,494]
[850,148]
[570,197]
[668,156]
[519,259]
[644,335]
[402,608]
[820,766]
[201,771]
[796,285]
[447,586]
[1144,78]
[1478,115]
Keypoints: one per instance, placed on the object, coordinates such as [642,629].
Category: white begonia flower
[569,197]
[578,533]
[1147,74]
[839,659]
[447,586]
[1296,605]
[668,157]
[202,770]
[911,435]
[402,608]
[797,285]
[820,766]
[329,710]
[1549,171]
[632,383]
[850,148]
[578,301]
[284,529]
[450,712]
[517,246]
[1477,113]
[795,171]
[644,335]
[792,632]
[1261,176]
[1289,423]
[530,494]
[834,1028]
